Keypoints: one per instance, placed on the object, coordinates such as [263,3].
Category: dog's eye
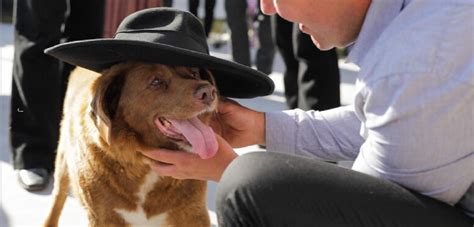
[195,75]
[156,82]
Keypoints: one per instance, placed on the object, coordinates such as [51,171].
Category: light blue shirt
[412,121]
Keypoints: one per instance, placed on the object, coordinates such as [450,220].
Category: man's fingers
[163,155]
[164,169]
[224,105]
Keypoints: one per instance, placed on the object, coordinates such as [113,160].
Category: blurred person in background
[238,14]
[208,13]
[311,76]
[39,81]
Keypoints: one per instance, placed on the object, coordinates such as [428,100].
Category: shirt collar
[379,15]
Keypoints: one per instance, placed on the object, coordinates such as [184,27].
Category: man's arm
[331,135]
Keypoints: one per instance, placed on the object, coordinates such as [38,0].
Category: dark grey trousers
[271,189]
[311,77]
[209,6]
[237,21]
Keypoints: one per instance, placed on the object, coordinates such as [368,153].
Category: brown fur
[107,119]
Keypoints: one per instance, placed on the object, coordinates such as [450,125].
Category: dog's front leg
[60,190]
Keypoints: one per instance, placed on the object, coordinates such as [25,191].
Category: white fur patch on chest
[138,216]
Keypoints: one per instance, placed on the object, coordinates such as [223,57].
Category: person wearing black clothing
[209,13]
[311,76]
[39,81]
[237,16]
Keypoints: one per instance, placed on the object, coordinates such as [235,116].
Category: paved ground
[23,209]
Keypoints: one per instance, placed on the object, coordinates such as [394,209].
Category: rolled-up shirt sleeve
[331,135]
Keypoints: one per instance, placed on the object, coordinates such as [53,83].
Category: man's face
[330,23]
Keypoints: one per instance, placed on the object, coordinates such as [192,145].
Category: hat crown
[166,26]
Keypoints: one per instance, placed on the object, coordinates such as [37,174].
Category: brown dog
[108,118]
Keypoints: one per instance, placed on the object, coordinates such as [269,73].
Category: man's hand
[185,165]
[238,125]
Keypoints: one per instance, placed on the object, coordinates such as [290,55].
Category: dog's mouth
[191,132]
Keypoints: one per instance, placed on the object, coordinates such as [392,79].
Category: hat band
[170,38]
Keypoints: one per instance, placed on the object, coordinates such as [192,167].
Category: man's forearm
[331,135]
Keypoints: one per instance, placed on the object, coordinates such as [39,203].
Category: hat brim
[232,79]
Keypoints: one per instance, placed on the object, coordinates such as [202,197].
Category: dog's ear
[205,74]
[107,88]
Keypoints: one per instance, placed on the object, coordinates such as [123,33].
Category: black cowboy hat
[166,36]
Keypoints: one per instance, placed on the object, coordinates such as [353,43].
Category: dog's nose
[205,93]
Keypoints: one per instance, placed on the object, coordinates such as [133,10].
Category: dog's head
[156,105]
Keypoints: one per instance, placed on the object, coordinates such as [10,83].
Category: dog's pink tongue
[200,136]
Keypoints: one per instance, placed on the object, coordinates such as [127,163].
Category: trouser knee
[238,191]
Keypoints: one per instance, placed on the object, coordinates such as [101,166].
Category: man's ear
[107,89]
